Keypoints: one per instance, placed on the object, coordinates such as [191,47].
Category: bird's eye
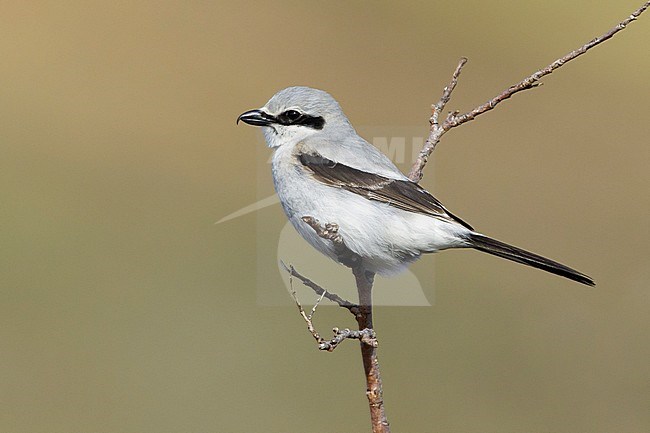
[291,115]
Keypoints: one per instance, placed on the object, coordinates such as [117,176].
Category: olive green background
[124,308]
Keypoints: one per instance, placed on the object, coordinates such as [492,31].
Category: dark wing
[402,194]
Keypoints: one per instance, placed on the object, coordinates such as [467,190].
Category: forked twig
[366,336]
[353,308]
[455,119]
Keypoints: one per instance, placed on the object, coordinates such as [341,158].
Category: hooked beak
[256,118]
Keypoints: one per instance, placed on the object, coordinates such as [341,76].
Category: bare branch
[363,315]
[436,131]
[446,93]
[307,318]
[366,336]
[353,308]
[454,119]
[374,385]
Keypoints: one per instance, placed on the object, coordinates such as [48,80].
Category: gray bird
[322,168]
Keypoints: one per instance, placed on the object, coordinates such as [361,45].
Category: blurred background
[124,308]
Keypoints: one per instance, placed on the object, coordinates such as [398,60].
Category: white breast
[387,238]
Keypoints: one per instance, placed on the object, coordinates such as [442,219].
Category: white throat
[280,135]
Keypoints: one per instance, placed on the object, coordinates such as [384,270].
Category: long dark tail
[500,249]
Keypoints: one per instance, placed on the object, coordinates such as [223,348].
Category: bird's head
[296,113]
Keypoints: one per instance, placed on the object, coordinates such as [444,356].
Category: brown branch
[454,119]
[374,389]
[436,132]
[366,336]
[353,308]
[307,317]
[362,313]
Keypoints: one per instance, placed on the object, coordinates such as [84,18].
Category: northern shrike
[323,169]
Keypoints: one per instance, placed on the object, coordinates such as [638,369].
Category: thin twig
[365,336]
[307,318]
[455,119]
[436,131]
[353,308]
